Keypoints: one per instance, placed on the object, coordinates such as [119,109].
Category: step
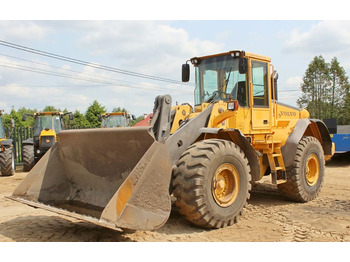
[275,180]
[280,168]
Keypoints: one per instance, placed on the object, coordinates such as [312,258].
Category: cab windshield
[113,121]
[47,122]
[219,78]
[2,130]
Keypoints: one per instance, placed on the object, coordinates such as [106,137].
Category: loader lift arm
[186,135]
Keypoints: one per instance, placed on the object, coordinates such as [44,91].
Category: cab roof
[234,53]
[115,114]
[54,113]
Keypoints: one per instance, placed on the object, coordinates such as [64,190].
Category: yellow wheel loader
[114,119]
[46,127]
[7,153]
[207,156]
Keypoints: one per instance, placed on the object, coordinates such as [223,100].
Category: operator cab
[116,119]
[236,76]
[47,122]
[220,77]
[225,77]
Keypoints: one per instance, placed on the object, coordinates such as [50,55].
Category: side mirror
[99,118]
[185,72]
[243,65]
[133,117]
[71,117]
[24,118]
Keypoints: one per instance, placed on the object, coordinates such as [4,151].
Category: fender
[6,142]
[306,127]
[28,141]
[325,137]
[239,139]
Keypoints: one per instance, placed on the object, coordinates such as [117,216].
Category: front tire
[212,183]
[7,161]
[28,157]
[305,177]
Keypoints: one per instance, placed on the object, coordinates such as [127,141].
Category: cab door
[261,113]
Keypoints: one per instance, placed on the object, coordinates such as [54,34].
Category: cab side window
[260,84]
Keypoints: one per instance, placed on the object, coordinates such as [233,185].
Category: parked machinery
[46,127]
[114,119]
[7,152]
[340,135]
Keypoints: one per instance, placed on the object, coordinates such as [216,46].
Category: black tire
[194,185]
[305,177]
[28,157]
[7,161]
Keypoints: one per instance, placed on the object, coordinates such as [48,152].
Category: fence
[18,135]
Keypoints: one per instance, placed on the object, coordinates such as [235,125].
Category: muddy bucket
[116,177]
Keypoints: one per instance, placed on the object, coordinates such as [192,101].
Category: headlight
[232,105]
[236,54]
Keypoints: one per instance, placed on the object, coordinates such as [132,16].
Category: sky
[154,45]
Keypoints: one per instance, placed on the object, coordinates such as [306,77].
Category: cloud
[22,30]
[293,82]
[289,90]
[330,38]
[148,47]
[327,38]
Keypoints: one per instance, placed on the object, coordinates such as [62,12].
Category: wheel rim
[312,170]
[225,185]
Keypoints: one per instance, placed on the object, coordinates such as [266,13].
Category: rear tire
[7,161]
[305,177]
[28,157]
[212,183]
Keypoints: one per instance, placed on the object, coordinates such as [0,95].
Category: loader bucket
[115,177]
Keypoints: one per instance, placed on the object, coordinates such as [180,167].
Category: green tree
[344,118]
[17,117]
[66,121]
[340,89]
[325,90]
[316,88]
[78,121]
[119,109]
[93,112]
[51,109]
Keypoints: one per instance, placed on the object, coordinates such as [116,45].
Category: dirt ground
[267,218]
